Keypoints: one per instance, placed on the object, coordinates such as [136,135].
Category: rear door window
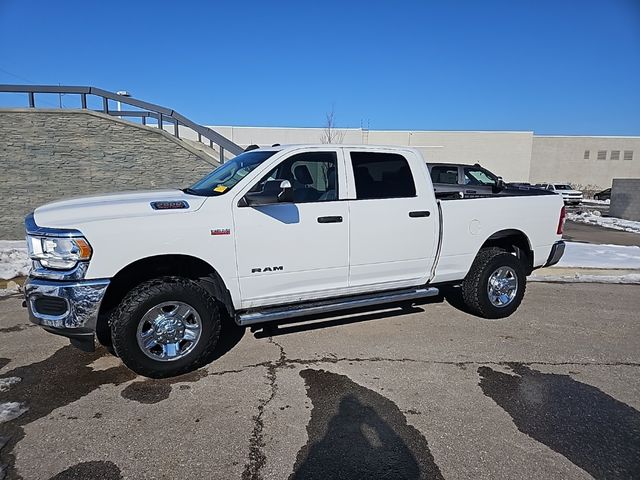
[444,174]
[382,175]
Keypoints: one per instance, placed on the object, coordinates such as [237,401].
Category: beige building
[516,156]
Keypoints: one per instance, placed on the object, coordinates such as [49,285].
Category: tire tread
[123,314]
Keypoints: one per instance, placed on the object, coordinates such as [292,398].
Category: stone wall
[47,155]
[625,198]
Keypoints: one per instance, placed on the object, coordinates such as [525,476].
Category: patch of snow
[630,278]
[596,202]
[14,259]
[587,255]
[594,217]
[11,410]
[8,382]
[12,289]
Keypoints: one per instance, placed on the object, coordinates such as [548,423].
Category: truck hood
[71,213]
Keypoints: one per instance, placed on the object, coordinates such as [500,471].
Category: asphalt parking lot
[552,392]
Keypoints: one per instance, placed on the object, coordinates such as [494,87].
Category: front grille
[54,306]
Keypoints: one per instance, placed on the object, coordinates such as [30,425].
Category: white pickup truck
[272,235]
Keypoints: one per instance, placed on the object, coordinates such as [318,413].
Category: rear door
[393,225]
[290,252]
[478,181]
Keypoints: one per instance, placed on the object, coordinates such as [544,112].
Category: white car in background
[569,195]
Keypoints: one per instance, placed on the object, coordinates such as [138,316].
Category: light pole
[122,93]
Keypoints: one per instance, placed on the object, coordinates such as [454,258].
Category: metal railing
[147,110]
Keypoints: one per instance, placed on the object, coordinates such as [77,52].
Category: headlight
[59,253]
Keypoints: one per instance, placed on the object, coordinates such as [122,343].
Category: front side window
[382,175]
[313,176]
[477,176]
[227,175]
[447,174]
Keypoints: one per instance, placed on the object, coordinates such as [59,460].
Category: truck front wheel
[165,327]
[495,284]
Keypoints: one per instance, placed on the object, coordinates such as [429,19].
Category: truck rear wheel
[165,327]
[495,284]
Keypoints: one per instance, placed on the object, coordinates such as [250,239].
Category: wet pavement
[430,392]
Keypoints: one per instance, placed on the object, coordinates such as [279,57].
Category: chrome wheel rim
[169,331]
[502,286]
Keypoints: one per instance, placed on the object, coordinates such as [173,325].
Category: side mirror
[273,191]
[500,185]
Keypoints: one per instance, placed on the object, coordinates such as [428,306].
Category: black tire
[475,285]
[125,320]
[103,333]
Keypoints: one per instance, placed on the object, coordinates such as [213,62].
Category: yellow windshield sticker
[220,189]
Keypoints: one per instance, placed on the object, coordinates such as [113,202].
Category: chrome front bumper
[66,308]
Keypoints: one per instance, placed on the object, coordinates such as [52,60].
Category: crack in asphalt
[507,363]
[257,457]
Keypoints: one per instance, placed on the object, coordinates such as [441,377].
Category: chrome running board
[271,314]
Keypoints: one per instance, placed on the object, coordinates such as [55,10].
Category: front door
[393,228]
[291,252]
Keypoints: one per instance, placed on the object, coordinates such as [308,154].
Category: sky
[567,67]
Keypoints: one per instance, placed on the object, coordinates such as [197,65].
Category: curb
[586,275]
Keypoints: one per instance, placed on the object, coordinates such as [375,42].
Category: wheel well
[513,241]
[157,266]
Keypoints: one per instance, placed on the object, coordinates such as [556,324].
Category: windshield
[477,176]
[563,187]
[226,176]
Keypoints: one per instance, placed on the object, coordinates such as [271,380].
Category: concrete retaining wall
[625,198]
[46,155]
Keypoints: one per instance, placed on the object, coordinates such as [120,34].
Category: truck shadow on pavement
[328,320]
[591,429]
[149,391]
[356,433]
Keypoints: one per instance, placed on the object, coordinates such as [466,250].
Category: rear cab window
[445,174]
[382,175]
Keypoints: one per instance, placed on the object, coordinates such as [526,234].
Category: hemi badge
[221,231]
[169,205]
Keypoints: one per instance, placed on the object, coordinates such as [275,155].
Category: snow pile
[11,410]
[14,259]
[587,255]
[630,278]
[12,288]
[594,217]
[8,382]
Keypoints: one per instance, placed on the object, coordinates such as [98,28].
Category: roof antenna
[251,147]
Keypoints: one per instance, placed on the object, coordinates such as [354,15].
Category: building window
[586,154]
[628,155]
[602,154]
[615,154]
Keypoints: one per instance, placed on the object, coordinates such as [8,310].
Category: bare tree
[330,134]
